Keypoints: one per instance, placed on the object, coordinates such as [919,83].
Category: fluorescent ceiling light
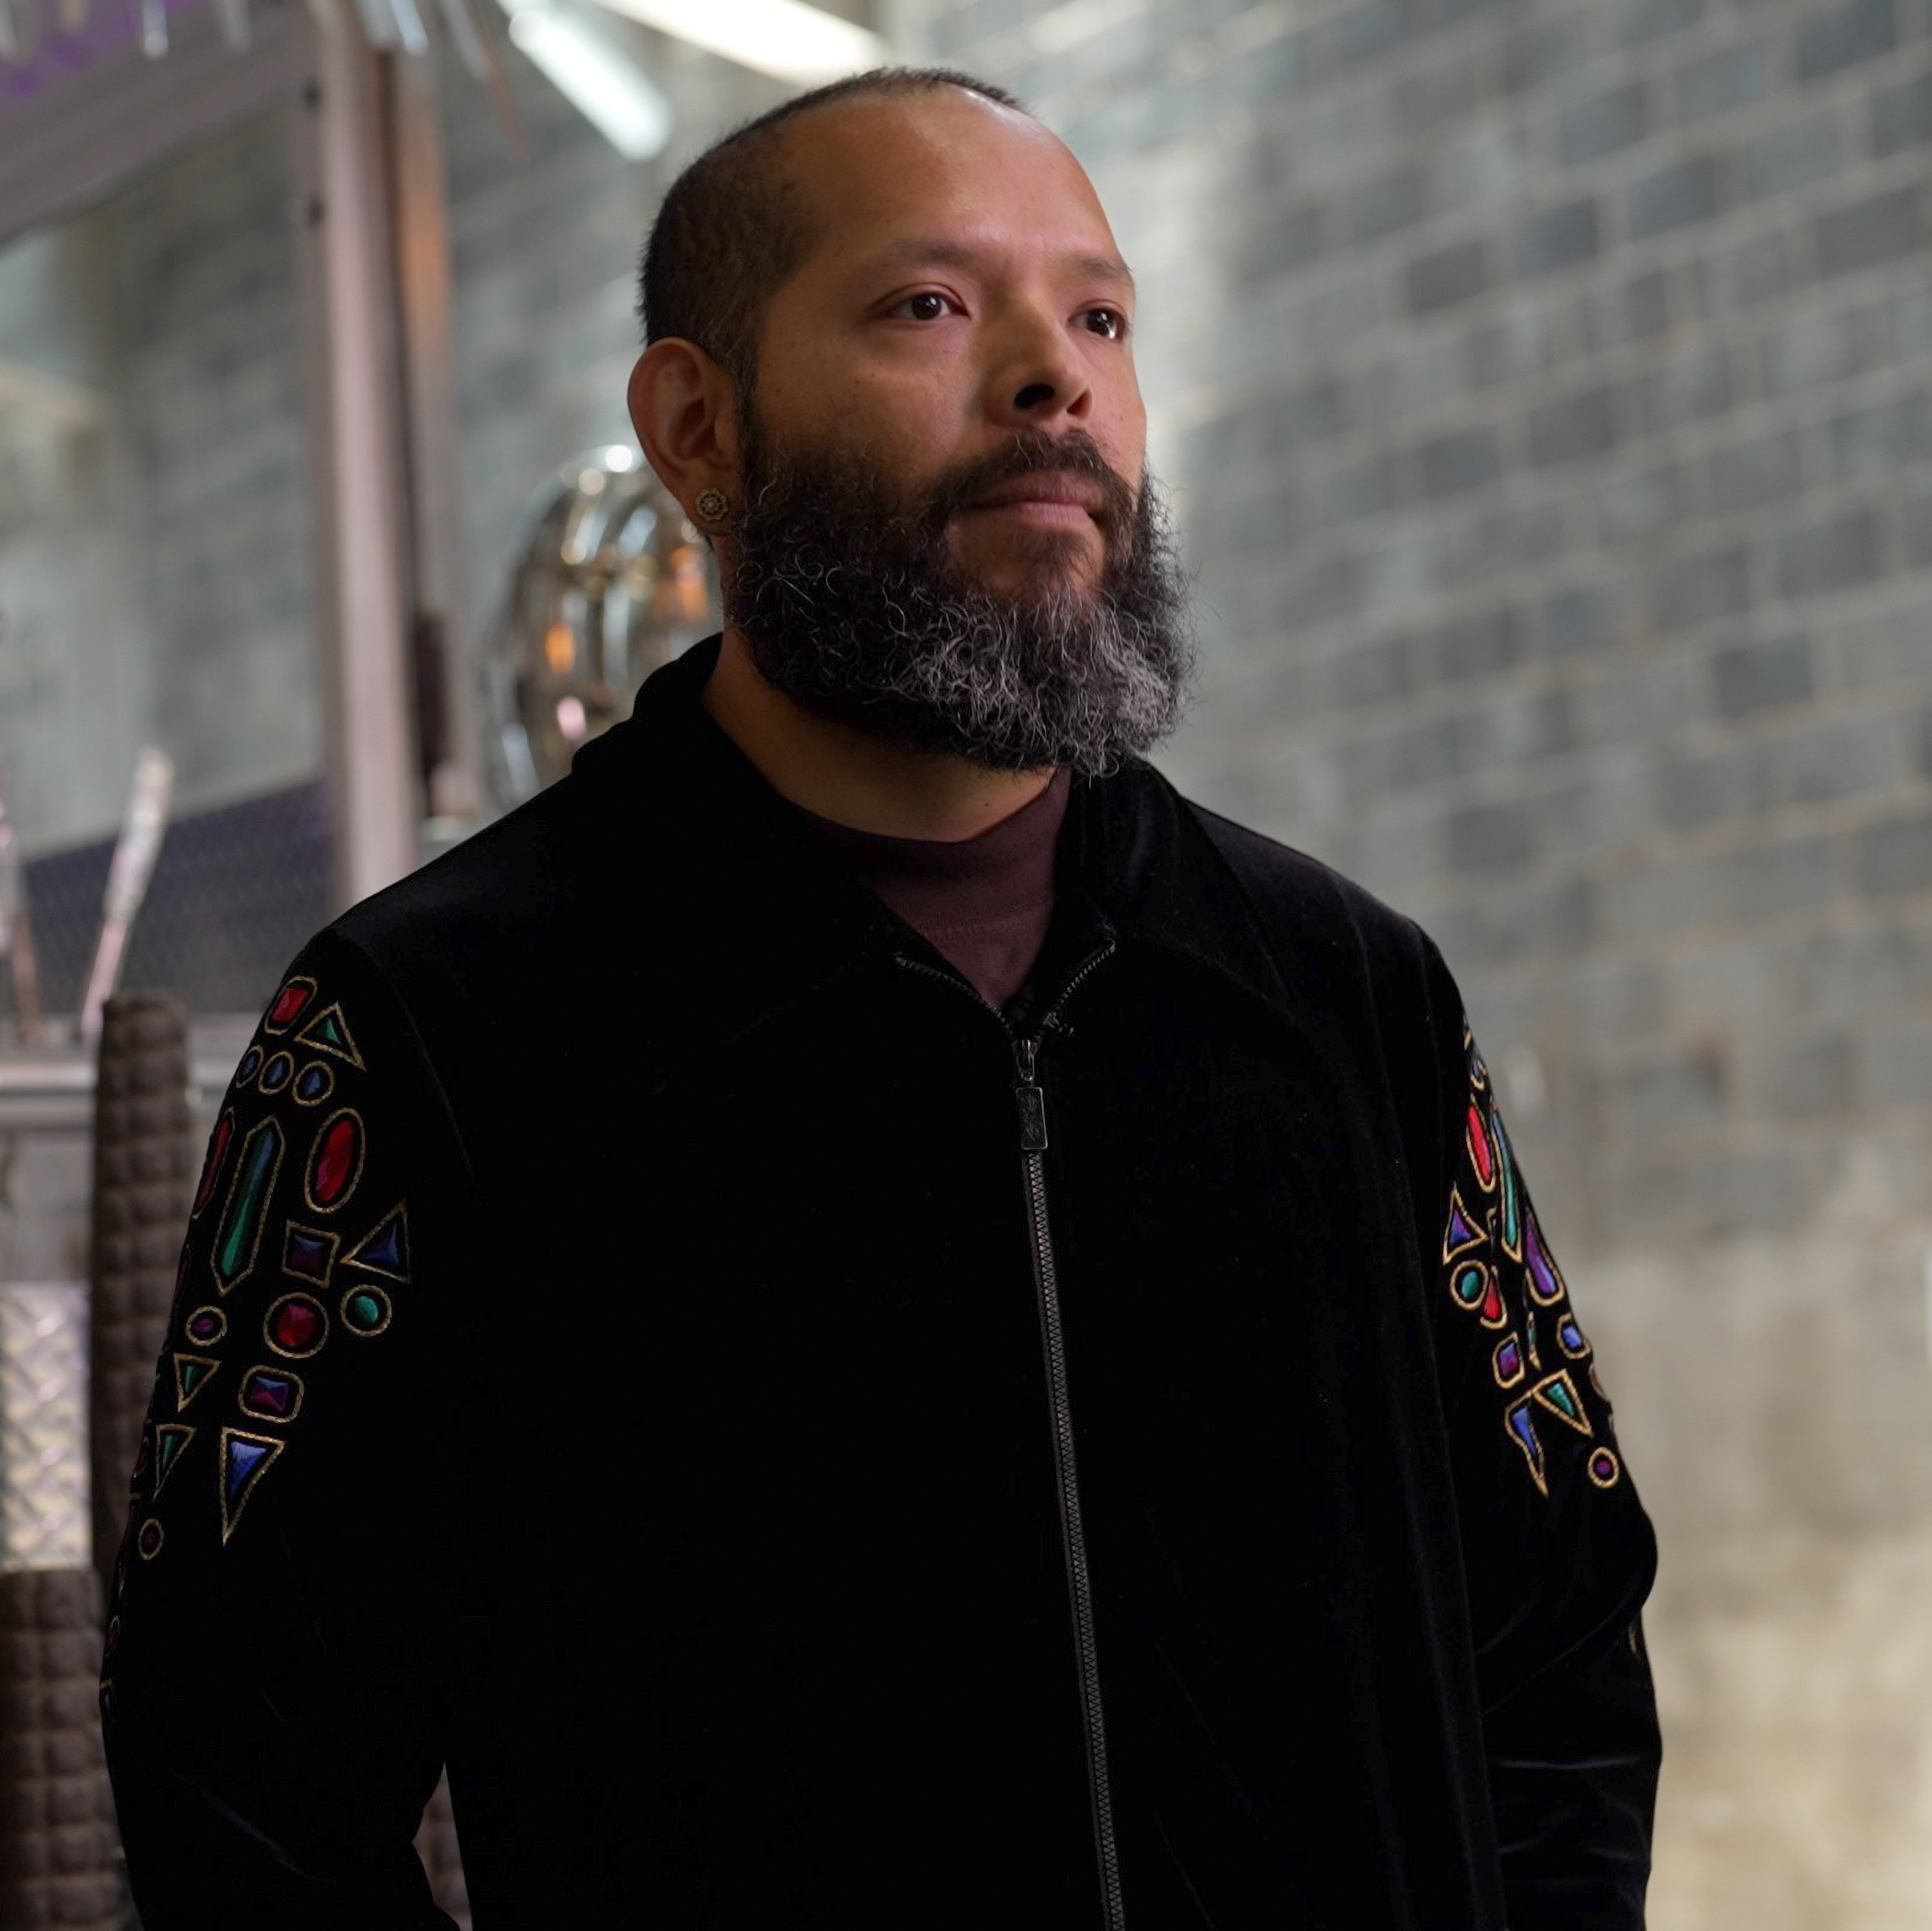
[601,79]
[784,38]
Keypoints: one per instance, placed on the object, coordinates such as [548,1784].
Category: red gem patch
[336,1163]
[289,1002]
[296,1325]
[217,1151]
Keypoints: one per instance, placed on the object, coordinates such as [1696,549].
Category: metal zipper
[1030,1098]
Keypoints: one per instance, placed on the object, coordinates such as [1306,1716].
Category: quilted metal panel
[45,1521]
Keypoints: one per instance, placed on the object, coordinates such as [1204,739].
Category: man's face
[948,536]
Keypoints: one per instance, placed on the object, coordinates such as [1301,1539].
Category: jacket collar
[1132,859]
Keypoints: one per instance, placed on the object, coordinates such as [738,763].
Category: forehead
[875,171]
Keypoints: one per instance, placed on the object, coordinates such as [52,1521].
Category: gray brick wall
[545,263]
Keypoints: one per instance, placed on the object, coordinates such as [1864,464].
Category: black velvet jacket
[806,1449]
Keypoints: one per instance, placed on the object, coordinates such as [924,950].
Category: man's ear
[684,408]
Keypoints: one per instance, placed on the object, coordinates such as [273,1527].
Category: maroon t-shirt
[984,902]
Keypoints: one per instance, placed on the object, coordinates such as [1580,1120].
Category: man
[859,1315]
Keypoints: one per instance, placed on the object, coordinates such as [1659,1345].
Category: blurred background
[1544,393]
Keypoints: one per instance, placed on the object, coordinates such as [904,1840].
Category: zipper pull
[1032,1100]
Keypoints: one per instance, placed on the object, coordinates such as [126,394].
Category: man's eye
[932,314]
[1114,327]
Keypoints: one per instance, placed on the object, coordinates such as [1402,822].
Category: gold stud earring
[712,504]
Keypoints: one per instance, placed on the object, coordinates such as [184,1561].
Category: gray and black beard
[852,606]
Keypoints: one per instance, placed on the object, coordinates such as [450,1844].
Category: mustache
[1072,450]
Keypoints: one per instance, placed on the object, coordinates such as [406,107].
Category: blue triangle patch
[386,1251]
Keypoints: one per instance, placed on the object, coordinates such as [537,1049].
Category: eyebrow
[960,255]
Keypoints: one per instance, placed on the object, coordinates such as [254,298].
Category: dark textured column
[143,1163]
[60,1861]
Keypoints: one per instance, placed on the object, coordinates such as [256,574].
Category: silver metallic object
[610,580]
[128,871]
[44,1510]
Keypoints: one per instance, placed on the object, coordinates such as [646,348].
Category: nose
[1039,376]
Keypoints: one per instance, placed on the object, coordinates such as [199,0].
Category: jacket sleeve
[272,1696]
[1558,1553]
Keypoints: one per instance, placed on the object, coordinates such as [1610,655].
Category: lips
[1072,492]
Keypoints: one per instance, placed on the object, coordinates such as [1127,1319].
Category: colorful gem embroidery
[192,1374]
[1501,1269]
[278,1073]
[205,1325]
[1558,1393]
[211,1166]
[1545,1282]
[309,1254]
[251,1064]
[271,1394]
[365,1310]
[288,1004]
[386,1251]
[170,1438]
[327,1032]
[149,1542]
[244,1459]
[1481,1154]
[1512,1213]
[240,1237]
[1462,1232]
[314,1084]
[1520,1426]
[296,1326]
[336,1163]
[1506,1362]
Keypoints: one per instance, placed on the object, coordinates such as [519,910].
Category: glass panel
[155,568]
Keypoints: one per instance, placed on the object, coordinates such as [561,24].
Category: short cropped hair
[730,231]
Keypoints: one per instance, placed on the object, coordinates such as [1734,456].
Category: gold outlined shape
[185,1389]
[141,1547]
[342,1047]
[328,1073]
[1606,1478]
[1512,1185]
[250,1065]
[231,1513]
[287,1375]
[1485,1279]
[179,1434]
[1527,1440]
[1566,1318]
[1496,1361]
[1534,1242]
[1475,1123]
[1478,1234]
[214,1340]
[269,1327]
[1572,1416]
[219,1141]
[349,1185]
[269,1025]
[398,1217]
[272,1128]
[290,1267]
[287,1059]
[356,1327]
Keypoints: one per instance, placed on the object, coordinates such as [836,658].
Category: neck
[842,773]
